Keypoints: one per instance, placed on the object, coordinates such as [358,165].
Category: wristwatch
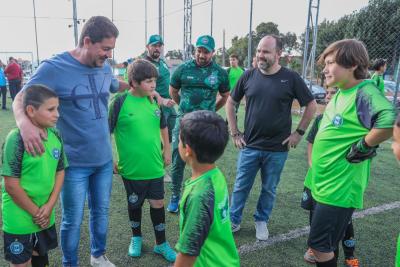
[300,131]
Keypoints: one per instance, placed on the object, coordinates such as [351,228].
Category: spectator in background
[3,87]
[13,72]
[379,68]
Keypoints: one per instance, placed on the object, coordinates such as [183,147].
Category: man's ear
[86,41]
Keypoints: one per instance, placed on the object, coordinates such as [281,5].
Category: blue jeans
[249,162]
[96,183]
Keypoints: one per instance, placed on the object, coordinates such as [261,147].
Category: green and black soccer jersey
[205,228]
[136,123]
[37,177]
[199,85]
[378,79]
[310,138]
[163,79]
[348,117]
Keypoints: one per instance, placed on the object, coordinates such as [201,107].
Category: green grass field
[376,234]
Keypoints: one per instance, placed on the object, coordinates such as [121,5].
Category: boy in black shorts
[308,203]
[138,127]
[32,185]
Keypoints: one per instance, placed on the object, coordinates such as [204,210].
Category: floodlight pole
[314,47]
[249,44]
[75,19]
[36,38]
[145,22]
[212,17]
[306,39]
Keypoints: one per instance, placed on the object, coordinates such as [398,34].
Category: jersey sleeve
[238,92]
[43,75]
[373,109]
[199,215]
[176,81]
[114,109]
[224,85]
[62,161]
[301,91]
[314,129]
[13,152]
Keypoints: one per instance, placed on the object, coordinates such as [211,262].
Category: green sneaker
[166,251]
[135,247]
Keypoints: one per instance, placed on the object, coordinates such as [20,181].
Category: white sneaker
[101,261]
[261,230]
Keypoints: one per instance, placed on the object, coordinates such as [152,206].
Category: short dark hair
[349,53]
[98,28]
[36,94]
[206,133]
[379,63]
[234,56]
[141,70]
[278,41]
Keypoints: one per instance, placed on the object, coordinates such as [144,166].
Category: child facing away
[379,68]
[31,185]
[308,203]
[354,123]
[138,127]
[205,230]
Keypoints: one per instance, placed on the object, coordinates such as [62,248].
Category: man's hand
[293,140]
[238,140]
[166,102]
[32,137]
[360,151]
[167,157]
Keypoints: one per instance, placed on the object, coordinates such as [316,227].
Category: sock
[348,241]
[135,216]
[40,261]
[331,263]
[158,220]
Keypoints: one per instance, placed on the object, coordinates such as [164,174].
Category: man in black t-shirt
[269,90]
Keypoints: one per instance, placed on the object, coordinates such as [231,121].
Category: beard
[155,55]
[265,64]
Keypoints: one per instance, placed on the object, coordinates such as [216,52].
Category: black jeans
[3,96]
[15,87]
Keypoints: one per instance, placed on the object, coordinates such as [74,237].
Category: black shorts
[328,226]
[139,190]
[19,248]
[307,201]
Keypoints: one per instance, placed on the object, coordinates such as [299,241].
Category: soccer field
[376,234]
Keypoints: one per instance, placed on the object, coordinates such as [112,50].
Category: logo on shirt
[337,120]
[284,81]
[56,153]
[212,79]
[16,248]
[157,112]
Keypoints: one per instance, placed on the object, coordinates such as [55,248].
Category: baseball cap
[155,39]
[206,41]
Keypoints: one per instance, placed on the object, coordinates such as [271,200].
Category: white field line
[247,248]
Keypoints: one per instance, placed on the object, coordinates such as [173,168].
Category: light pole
[36,39]
[250,37]
[75,18]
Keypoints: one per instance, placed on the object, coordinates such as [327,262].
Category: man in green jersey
[205,238]
[379,68]
[198,84]
[31,185]
[154,47]
[355,121]
[136,123]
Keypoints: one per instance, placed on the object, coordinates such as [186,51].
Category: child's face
[146,87]
[336,75]
[396,142]
[46,115]
[330,92]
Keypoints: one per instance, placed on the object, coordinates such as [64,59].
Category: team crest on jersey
[133,198]
[337,120]
[16,248]
[212,79]
[157,112]
[56,153]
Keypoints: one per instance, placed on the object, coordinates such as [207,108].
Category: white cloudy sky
[54,16]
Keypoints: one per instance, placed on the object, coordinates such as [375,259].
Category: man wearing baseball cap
[195,85]
[154,47]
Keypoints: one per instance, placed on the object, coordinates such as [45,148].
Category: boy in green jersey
[31,185]
[136,123]
[396,152]
[308,202]
[355,121]
[205,230]
[379,68]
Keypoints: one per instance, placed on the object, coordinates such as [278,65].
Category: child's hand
[167,102]
[42,218]
[115,168]
[167,157]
